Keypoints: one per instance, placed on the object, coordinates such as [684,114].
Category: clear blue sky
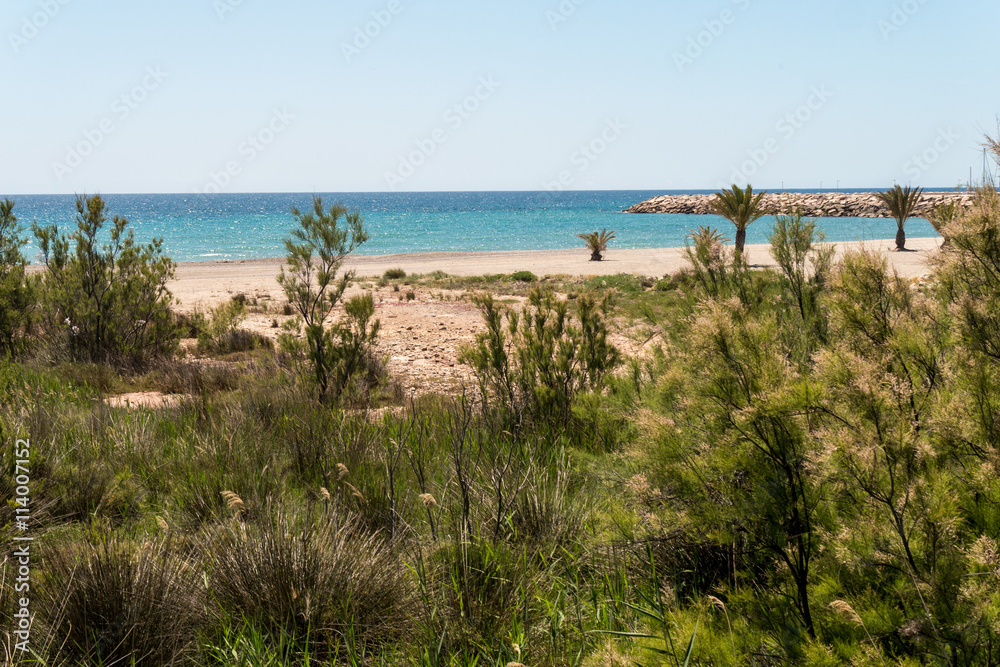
[887,80]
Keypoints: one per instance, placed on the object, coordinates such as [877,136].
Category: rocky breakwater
[811,205]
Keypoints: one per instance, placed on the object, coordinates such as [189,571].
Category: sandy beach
[208,283]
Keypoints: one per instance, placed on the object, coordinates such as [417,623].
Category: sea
[206,227]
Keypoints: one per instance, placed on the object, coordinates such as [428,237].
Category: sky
[145,96]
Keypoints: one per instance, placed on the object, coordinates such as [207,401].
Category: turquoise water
[247,226]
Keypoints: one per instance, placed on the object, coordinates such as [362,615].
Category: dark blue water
[246,226]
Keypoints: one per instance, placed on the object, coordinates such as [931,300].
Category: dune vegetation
[800,467]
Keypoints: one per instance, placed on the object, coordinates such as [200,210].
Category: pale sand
[204,284]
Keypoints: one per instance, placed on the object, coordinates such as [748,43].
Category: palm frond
[740,206]
[597,242]
[901,202]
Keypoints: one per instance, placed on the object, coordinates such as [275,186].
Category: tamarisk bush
[106,302]
[341,355]
[536,361]
[17,292]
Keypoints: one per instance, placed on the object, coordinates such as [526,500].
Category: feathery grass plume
[355,492]
[719,604]
[324,492]
[342,471]
[428,500]
[846,611]
[161,522]
[234,502]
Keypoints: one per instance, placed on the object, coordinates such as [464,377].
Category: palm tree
[740,207]
[902,204]
[941,216]
[597,243]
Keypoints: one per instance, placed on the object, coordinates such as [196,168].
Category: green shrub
[192,325]
[106,302]
[394,274]
[320,583]
[794,247]
[17,291]
[623,282]
[223,335]
[534,363]
[343,353]
[524,277]
[115,603]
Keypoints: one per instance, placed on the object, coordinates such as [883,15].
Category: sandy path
[209,283]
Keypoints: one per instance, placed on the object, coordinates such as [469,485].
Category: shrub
[793,245]
[623,282]
[318,582]
[536,362]
[17,292]
[114,603]
[340,353]
[394,274]
[712,263]
[192,325]
[524,277]
[223,335]
[108,303]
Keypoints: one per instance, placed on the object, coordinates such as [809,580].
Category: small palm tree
[597,243]
[941,216]
[902,204]
[740,207]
